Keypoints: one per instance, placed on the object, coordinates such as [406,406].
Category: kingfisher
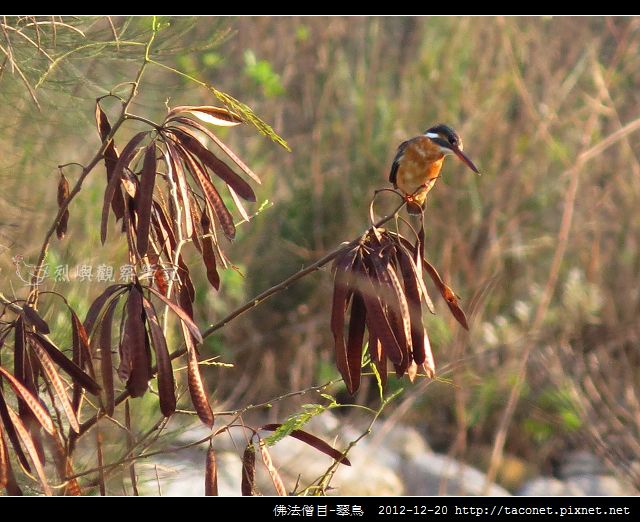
[418,161]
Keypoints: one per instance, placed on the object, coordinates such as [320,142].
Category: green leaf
[296,421]
[378,380]
[247,114]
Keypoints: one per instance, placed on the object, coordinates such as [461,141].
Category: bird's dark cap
[445,131]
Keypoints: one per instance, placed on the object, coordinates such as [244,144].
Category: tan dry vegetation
[543,247]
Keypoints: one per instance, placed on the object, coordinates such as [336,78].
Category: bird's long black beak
[465,159]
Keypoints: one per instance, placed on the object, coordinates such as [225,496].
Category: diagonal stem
[259,299]
[33,292]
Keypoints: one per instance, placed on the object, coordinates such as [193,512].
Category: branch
[259,299]
[33,291]
[10,304]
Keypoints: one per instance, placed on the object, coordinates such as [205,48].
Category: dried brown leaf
[197,390]
[207,214]
[211,474]
[208,253]
[144,198]
[412,371]
[213,163]
[452,303]
[114,183]
[428,364]
[446,292]
[58,386]
[239,205]
[232,156]
[196,216]
[412,275]
[357,324]
[4,461]
[102,122]
[161,243]
[448,295]
[273,472]
[343,268]
[124,350]
[177,173]
[378,323]
[182,315]
[184,299]
[417,265]
[131,186]
[166,383]
[25,370]
[248,471]
[185,281]
[106,359]
[81,355]
[63,194]
[39,411]
[135,337]
[212,196]
[33,318]
[165,236]
[62,461]
[12,488]
[314,442]
[98,304]
[28,443]
[19,349]
[166,222]
[111,157]
[81,344]
[400,307]
[412,291]
[215,115]
[12,434]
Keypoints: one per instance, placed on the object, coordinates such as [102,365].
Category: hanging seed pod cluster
[37,359]
[174,159]
[161,187]
[379,289]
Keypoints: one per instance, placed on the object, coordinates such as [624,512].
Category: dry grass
[543,247]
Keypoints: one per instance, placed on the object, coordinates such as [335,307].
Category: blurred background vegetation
[544,248]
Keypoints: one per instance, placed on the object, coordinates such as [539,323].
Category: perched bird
[418,161]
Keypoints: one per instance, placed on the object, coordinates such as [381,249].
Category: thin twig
[325,480]
[259,299]
[33,295]
[295,277]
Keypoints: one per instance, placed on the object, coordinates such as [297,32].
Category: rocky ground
[397,461]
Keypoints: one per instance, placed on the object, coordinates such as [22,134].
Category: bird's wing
[396,162]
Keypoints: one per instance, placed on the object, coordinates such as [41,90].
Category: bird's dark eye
[453,141]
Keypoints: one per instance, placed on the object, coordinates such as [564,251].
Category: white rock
[581,462]
[434,474]
[182,474]
[599,485]
[548,487]
[584,485]
[404,441]
[368,475]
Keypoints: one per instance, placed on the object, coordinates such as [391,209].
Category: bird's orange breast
[420,165]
